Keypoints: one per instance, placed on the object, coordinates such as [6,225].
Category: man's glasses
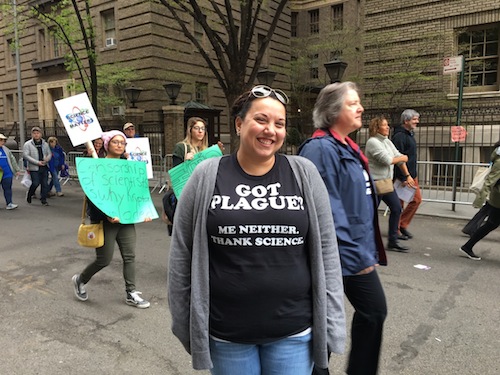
[263,91]
[116,143]
[199,128]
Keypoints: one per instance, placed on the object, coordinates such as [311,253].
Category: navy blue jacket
[339,166]
[404,141]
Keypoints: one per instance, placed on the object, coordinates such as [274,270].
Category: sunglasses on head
[263,91]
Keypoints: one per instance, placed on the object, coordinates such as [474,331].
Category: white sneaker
[11,206]
[60,194]
[133,299]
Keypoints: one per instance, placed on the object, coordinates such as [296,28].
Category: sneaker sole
[144,306]
[75,288]
[469,256]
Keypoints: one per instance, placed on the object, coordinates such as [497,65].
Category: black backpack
[169,204]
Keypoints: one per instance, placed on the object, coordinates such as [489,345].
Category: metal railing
[447,182]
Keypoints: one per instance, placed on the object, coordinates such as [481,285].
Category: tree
[230,31]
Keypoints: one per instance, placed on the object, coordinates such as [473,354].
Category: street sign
[452,65]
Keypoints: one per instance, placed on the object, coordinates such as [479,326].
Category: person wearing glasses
[353,202]
[123,234]
[254,280]
[8,169]
[196,140]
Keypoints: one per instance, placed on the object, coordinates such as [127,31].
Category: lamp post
[335,69]
[172,89]
[133,94]
[266,77]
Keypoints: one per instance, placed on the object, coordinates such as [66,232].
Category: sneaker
[60,194]
[469,253]
[133,299]
[45,203]
[28,197]
[80,291]
[11,206]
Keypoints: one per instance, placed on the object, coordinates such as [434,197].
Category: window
[201,93]
[479,46]
[337,16]
[108,25]
[11,55]
[49,46]
[314,21]
[198,31]
[293,24]
[10,108]
[265,57]
[313,70]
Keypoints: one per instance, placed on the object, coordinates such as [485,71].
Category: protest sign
[181,173]
[79,119]
[118,187]
[138,150]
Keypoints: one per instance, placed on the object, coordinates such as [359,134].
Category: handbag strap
[84,209]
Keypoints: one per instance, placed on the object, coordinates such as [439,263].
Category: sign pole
[459,120]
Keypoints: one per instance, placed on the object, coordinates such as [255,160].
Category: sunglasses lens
[281,97]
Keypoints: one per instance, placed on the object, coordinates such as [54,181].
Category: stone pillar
[136,117]
[173,126]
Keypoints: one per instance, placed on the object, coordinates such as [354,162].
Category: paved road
[441,321]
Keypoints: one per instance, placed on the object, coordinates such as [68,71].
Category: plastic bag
[26,180]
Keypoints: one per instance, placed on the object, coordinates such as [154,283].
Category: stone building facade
[141,35]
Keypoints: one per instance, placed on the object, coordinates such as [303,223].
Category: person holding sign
[123,234]
[382,155]
[196,140]
[254,273]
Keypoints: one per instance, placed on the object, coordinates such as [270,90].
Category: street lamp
[172,89]
[335,69]
[133,94]
[266,77]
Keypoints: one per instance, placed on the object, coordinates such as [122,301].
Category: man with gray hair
[404,140]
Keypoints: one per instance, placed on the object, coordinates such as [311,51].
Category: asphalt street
[443,314]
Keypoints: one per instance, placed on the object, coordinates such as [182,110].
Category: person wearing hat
[8,169]
[129,130]
[123,234]
[37,154]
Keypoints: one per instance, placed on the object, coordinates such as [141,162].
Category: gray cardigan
[380,152]
[188,275]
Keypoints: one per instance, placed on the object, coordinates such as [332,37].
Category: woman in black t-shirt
[254,260]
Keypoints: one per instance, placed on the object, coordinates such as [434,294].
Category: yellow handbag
[90,235]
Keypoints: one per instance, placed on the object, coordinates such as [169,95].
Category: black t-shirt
[260,280]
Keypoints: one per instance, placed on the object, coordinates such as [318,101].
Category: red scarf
[353,145]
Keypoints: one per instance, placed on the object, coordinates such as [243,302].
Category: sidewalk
[444,210]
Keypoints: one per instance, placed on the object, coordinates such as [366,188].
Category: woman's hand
[147,219]
[189,156]
[221,146]
[113,220]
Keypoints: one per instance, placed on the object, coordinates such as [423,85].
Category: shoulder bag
[479,178]
[384,186]
[90,235]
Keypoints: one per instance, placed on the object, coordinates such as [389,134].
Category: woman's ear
[237,125]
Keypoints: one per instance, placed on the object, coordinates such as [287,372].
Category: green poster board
[180,174]
[118,187]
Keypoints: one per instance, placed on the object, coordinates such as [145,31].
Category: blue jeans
[291,356]
[392,201]
[40,177]
[54,181]
[7,189]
